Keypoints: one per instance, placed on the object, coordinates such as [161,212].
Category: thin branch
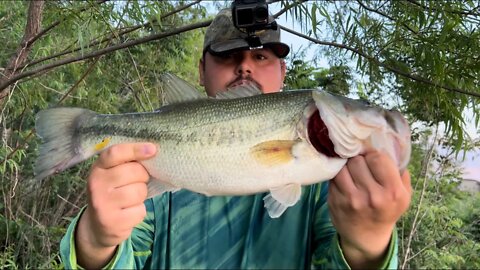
[104,51]
[117,47]
[88,71]
[40,225]
[377,62]
[417,33]
[65,200]
[32,28]
[416,221]
[46,30]
[140,80]
[286,8]
[386,16]
[459,12]
[113,35]
[421,251]
[18,147]
[55,24]
[74,87]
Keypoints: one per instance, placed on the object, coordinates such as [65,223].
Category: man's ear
[283,67]
[201,71]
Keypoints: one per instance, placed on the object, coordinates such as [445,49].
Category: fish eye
[365,102]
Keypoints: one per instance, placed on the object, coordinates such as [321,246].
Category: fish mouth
[318,136]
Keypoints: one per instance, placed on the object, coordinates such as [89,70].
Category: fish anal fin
[275,152]
[280,198]
[274,208]
[156,187]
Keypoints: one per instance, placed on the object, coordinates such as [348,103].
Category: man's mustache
[242,78]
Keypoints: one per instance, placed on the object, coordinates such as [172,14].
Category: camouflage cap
[223,37]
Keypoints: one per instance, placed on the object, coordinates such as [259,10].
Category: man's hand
[366,199]
[117,187]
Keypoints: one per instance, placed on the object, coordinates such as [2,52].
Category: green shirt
[186,230]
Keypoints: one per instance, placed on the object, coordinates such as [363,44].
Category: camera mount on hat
[251,16]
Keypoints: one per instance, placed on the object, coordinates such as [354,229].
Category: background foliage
[419,56]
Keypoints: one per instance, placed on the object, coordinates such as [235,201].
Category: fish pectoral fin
[280,198]
[156,187]
[271,153]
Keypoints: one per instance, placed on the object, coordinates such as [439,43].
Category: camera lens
[250,14]
[261,14]
[245,17]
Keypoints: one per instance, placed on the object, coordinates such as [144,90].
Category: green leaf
[313,13]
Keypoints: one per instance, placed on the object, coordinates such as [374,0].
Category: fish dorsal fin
[239,92]
[177,90]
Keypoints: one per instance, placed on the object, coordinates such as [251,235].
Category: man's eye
[225,56]
[261,57]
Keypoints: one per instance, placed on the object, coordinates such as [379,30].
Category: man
[188,230]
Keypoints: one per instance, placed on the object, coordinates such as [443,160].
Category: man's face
[260,67]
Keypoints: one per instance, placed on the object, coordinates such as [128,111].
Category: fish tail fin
[61,148]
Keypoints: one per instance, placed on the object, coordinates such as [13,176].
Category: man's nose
[244,65]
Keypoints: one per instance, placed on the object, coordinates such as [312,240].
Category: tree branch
[53,25]
[286,8]
[416,221]
[44,68]
[110,49]
[386,16]
[46,30]
[377,62]
[73,88]
[112,36]
[34,19]
[459,12]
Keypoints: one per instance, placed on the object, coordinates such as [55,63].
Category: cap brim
[280,49]
[228,46]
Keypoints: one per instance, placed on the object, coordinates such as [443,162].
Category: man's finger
[125,174]
[135,215]
[129,195]
[344,183]
[361,175]
[122,153]
[383,169]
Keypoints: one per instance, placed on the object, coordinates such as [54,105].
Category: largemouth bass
[241,142]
